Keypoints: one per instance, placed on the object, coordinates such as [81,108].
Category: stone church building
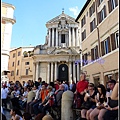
[56,59]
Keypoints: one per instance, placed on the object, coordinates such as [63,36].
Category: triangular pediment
[60,17]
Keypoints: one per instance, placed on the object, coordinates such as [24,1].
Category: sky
[32,16]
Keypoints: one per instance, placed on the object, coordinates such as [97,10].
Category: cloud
[74,10]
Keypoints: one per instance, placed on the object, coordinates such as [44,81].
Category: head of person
[47,117]
[39,79]
[26,116]
[61,87]
[50,88]
[15,111]
[28,89]
[91,86]
[25,88]
[43,87]
[101,89]
[111,83]
[82,76]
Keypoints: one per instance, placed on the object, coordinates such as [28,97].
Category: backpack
[77,101]
[53,100]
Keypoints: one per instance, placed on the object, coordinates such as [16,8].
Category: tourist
[100,99]
[89,101]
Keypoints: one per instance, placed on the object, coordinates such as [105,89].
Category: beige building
[21,64]
[99,39]
[7,21]
[56,58]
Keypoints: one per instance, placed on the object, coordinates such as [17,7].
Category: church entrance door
[63,72]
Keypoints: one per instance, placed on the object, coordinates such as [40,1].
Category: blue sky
[32,15]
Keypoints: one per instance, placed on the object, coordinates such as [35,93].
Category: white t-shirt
[4,93]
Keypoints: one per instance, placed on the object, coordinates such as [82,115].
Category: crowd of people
[36,98]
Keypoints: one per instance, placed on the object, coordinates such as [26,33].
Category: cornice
[13,21]
[7,5]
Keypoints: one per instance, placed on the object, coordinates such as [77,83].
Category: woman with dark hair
[89,103]
[16,114]
[100,100]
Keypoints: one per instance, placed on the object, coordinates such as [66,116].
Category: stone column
[52,72]
[55,70]
[37,71]
[73,36]
[33,71]
[69,37]
[74,76]
[48,75]
[70,72]
[66,110]
[49,38]
[56,37]
[77,40]
[52,37]
[78,72]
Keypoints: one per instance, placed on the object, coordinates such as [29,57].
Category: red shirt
[81,86]
[56,86]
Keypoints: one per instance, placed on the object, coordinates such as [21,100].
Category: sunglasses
[90,85]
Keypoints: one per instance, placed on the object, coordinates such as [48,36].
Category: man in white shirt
[4,94]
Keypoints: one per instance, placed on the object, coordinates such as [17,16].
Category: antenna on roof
[62,10]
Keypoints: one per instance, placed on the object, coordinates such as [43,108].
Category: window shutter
[92,54]
[93,7]
[109,47]
[99,17]
[113,41]
[102,48]
[116,3]
[109,6]
[98,2]
[81,24]
[96,52]
[84,20]
[90,11]
[105,11]
[91,27]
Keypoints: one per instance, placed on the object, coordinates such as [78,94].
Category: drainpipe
[99,46]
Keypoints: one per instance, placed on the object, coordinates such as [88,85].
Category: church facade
[57,58]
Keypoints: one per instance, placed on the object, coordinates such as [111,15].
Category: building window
[26,63]
[17,72]
[26,71]
[84,59]
[105,46]
[94,53]
[92,9]
[114,40]
[83,21]
[102,15]
[19,53]
[63,38]
[18,63]
[13,55]
[83,35]
[99,2]
[92,25]
[13,64]
[112,4]
[12,73]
